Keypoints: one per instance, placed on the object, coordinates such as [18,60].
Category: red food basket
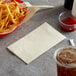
[30,12]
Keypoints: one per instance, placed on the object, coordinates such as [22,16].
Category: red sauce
[68,24]
[20,1]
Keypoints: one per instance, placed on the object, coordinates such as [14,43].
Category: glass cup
[65,70]
[66,27]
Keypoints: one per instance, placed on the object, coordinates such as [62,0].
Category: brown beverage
[66,61]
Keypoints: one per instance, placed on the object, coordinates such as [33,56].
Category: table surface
[45,65]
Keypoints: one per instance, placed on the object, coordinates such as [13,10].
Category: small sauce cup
[64,26]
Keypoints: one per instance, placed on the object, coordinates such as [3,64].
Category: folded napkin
[36,43]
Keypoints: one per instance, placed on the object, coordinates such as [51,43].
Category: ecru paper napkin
[36,43]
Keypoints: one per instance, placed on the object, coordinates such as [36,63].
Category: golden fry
[0,1]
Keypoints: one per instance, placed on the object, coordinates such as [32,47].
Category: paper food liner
[30,12]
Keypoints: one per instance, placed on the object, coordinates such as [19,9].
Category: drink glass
[62,69]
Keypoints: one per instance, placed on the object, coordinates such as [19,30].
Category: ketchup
[20,1]
[68,24]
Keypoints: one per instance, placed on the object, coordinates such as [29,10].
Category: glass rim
[63,65]
[62,22]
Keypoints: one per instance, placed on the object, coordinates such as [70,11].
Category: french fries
[10,15]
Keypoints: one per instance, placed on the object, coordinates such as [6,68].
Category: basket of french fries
[12,15]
